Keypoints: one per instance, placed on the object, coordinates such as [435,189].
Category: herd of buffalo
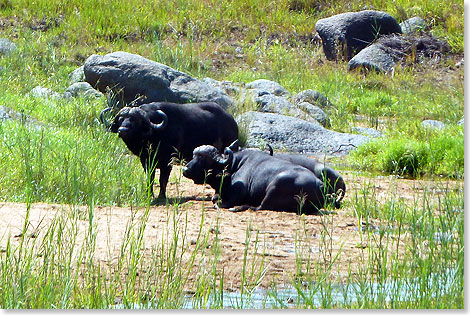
[205,137]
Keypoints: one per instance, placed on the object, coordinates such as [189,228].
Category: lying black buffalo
[334,184]
[252,179]
[157,132]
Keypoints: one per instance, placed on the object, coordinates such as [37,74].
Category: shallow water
[335,296]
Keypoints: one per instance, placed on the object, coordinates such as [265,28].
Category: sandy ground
[317,237]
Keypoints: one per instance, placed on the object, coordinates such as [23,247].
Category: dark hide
[334,183]
[256,180]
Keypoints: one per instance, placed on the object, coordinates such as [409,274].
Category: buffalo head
[132,122]
[207,161]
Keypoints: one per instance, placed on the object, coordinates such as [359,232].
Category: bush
[442,153]
[403,157]
[365,157]
[447,153]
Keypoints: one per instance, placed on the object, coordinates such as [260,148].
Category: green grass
[432,152]
[67,166]
[66,156]
[433,246]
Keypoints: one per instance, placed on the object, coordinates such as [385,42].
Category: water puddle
[335,295]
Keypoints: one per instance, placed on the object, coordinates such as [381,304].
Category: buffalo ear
[113,128]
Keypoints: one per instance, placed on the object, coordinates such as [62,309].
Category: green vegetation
[66,156]
[440,152]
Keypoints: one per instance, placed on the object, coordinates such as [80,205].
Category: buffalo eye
[116,124]
[202,161]
[118,121]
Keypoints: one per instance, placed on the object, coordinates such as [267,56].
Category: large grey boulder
[295,135]
[140,80]
[316,112]
[227,86]
[374,57]
[314,104]
[270,103]
[413,48]
[393,49]
[263,86]
[344,35]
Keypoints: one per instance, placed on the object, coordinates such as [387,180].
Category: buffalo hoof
[158,201]
[240,208]
[215,199]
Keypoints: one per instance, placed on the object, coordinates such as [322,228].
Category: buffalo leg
[233,196]
[277,199]
[150,172]
[291,193]
[164,176]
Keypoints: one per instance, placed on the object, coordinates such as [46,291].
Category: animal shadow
[178,200]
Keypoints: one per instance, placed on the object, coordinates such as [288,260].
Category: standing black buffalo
[253,179]
[157,132]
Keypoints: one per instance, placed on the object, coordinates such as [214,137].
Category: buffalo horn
[103,119]
[228,159]
[270,148]
[164,122]
[234,146]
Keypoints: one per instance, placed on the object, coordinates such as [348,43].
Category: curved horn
[270,148]
[164,122]
[103,119]
[225,161]
[234,146]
